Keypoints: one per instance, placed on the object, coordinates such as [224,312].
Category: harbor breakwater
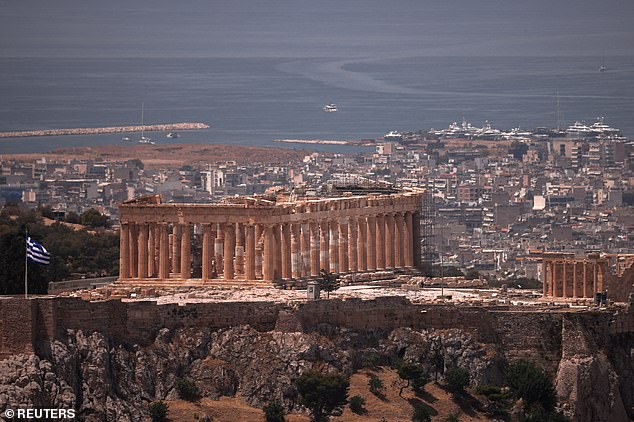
[167,127]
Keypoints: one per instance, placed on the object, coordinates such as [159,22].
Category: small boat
[126,139]
[172,135]
[330,108]
[603,67]
[144,139]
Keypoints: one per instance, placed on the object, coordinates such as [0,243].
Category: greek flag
[36,252]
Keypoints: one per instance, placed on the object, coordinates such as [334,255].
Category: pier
[168,127]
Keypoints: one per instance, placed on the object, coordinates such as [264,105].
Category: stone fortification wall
[30,325]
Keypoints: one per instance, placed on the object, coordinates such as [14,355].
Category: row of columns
[271,251]
[572,278]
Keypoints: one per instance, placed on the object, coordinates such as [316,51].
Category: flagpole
[26,264]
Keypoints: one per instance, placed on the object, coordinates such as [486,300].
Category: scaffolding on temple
[427,233]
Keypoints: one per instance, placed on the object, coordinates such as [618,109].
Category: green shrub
[414,374]
[274,412]
[421,414]
[357,404]
[531,384]
[322,393]
[376,385]
[453,417]
[187,390]
[158,411]
[457,379]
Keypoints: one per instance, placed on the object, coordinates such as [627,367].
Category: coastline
[324,142]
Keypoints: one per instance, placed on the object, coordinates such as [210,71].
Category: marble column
[408,241]
[286,253]
[213,265]
[564,280]
[353,258]
[220,247]
[362,244]
[305,247]
[585,278]
[124,255]
[380,242]
[324,250]
[594,277]
[399,259]
[267,264]
[143,251]
[239,249]
[574,279]
[176,249]
[333,253]
[555,281]
[314,249]
[249,273]
[186,241]
[229,245]
[296,257]
[390,234]
[150,258]
[157,249]
[371,243]
[259,251]
[134,250]
[544,277]
[343,247]
[206,264]
[164,254]
[551,285]
[277,254]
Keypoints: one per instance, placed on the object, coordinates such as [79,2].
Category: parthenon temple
[567,276]
[255,239]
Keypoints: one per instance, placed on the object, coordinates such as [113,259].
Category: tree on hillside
[457,379]
[274,412]
[322,393]
[414,374]
[328,282]
[437,358]
[72,252]
[531,384]
[158,411]
[94,218]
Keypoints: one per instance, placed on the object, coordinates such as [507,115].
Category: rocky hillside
[108,380]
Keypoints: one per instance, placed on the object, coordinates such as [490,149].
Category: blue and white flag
[36,252]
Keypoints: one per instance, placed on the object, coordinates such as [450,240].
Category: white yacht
[393,136]
[330,108]
[579,130]
[600,128]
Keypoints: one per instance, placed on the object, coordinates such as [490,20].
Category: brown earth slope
[171,155]
[390,407]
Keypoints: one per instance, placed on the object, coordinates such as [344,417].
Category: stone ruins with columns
[258,240]
[567,276]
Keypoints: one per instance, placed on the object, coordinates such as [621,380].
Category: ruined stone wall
[16,335]
[30,325]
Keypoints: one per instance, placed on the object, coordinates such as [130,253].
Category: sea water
[254,101]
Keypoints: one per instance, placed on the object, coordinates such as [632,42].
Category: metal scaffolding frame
[427,233]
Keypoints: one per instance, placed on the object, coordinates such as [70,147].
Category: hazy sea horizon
[253,101]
